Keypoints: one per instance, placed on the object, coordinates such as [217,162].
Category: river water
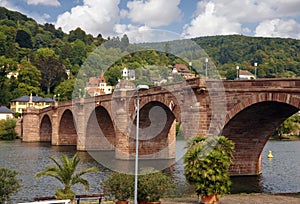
[281,174]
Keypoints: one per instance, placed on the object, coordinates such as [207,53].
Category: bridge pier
[31,125]
[55,127]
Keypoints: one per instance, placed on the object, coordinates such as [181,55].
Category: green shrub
[7,129]
[119,186]
[9,184]
[207,164]
[153,185]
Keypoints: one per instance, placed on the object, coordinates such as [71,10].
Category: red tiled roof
[245,72]
[181,68]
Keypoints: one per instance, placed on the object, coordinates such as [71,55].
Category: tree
[7,129]
[78,53]
[65,172]
[4,87]
[2,43]
[9,184]
[79,34]
[124,42]
[52,71]
[28,80]
[289,126]
[112,76]
[23,39]
[65,90]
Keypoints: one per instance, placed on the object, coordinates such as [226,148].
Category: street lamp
[206,61]
[79,93]
[237,72]
[255,74]
[138,88]
[68,72]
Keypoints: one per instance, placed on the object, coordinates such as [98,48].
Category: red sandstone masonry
[248,106]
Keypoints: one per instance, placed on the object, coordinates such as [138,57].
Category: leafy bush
[120,186]
[153,184]
[9,184]
[207,164]
[7,129]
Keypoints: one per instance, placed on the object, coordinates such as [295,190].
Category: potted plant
[152,185]
[119,186]
[206,164]
[65,172]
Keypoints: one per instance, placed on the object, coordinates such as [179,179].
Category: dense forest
[35,58]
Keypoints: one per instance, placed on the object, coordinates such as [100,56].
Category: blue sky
[187,18]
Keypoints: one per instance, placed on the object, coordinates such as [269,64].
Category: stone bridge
[245,111]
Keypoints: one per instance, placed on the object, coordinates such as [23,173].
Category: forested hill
[44,53]
[276,57]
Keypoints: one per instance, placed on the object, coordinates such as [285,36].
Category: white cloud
[154,13]
[44,2]
[278,28]
[208,23]
[215,17]
[141,34]
[93,16]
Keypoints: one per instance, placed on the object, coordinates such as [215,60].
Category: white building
[245,74]
[128,74]
[97,86]
[5,113]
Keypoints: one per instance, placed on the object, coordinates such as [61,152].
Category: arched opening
[100,133]
[250,129]
[157,132]
[67,131]
[45,129]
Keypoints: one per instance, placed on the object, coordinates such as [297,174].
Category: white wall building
[5,113]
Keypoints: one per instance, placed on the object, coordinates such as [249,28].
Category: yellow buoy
[270,156]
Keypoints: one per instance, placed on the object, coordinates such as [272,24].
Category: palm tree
[65,173]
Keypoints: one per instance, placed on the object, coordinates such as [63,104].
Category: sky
[186,18]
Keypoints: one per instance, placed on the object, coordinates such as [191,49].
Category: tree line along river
[280,175]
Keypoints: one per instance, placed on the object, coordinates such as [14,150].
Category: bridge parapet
[246,111]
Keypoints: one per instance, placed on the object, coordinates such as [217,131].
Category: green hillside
[276,57]
[43,53]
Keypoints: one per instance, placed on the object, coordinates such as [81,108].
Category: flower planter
[121,202]
[157,202]
[143,202]
[210,199]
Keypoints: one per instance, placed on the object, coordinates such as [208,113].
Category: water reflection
[281,174]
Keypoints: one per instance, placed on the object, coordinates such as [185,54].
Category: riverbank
[253,198]
[243,198]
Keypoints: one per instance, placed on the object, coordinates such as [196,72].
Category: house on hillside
[183,70]
[5,113]
[97,86]
[23,102]
[128,74]
[245,74]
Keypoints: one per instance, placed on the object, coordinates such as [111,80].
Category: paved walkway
[243,199]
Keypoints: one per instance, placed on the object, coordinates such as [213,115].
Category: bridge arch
[157,131]
[45,129]
[100,132]
[67,134]
[250,124]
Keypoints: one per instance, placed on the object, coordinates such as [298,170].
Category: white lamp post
[255,74]
[206,61]
[138,88]
[237,72]
[68,72]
